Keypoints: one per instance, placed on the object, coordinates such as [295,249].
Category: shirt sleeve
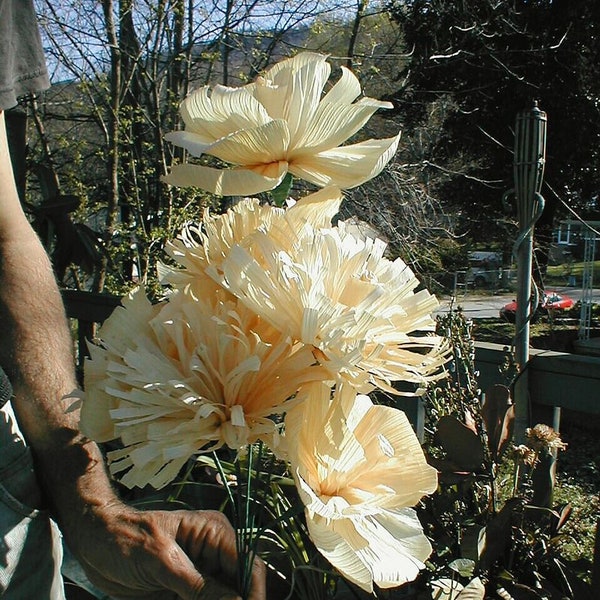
[22,64]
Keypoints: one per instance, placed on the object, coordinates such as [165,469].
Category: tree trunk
[113,163]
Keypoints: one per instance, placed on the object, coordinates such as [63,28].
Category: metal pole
[587,284]
[523,315]
[528,168]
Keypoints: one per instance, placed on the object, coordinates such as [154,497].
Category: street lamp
[528,170]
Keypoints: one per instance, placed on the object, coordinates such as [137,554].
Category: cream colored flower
[359,468]
[210,242]
[321,284]
[282,122]
[182,377]
[338,293]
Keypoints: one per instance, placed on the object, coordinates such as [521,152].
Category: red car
[550,302]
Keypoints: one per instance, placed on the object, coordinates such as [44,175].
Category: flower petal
[228,182]
[317,209]
[196,145]
[345,90]
[333,546]
[260,145]
[406,476]
[133,315]
[332,125]
[388,549]
[211,115]
[346,166]
[396,549]
[291,90]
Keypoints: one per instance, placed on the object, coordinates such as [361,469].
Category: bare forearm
[36,352]
[126,552]
[36,349]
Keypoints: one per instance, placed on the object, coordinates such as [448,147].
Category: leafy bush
[492,517]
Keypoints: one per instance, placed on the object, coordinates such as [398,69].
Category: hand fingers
[181,576]
[259,581]
[208,540]
[213,590]
[198,556]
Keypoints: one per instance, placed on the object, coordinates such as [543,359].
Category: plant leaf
[498,532]
[475,590]
[473,542]
[564,515]
[463,566]
[445,589]
[498,414]
[462,445]
[517,591]
[281,192]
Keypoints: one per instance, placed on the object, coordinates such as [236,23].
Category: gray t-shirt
[22,64]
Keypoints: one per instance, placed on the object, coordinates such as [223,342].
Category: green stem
[494,487]
[248,507]
[174,495]
[282,191]
[235,508]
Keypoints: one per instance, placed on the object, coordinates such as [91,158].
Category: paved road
[485,307]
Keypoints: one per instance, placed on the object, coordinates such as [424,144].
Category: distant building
[569,238]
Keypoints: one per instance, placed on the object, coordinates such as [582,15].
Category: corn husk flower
[280,123]
[182,377]
[208,244]
[338,293]
[359,468]
[528,456]
[322,285]
[276,324]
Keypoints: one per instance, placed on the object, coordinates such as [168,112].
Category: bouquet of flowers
[277,325]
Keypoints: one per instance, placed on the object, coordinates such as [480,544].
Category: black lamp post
[529,162]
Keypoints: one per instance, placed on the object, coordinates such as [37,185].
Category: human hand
[143,554]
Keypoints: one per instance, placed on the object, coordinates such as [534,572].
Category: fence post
[596,560]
